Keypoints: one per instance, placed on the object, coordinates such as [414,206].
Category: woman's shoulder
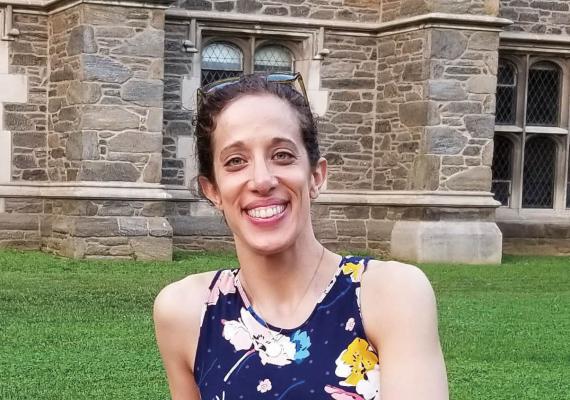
[182,301]
[393,294]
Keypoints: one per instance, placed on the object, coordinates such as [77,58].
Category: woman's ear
[210,190]
[318,178]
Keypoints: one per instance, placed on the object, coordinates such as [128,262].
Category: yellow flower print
[354,269]
[354,362]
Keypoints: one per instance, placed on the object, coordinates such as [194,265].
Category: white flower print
[370,386]
[349,326]
[264,386]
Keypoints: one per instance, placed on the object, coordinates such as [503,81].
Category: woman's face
[263,179]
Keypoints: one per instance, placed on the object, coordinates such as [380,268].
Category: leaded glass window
[221,60]
[273,58]
[539,171]
[502,170]
[506,93]
[543,98]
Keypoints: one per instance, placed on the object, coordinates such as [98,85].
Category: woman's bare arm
[400,317]
[177,314]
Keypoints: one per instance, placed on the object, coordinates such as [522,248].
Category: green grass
[83,330]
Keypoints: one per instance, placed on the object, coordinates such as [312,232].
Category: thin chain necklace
[246,286]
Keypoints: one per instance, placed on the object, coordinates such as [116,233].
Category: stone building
[97,98]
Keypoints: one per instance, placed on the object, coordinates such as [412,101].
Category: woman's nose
[263,179]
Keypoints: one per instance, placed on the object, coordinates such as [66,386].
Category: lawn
[83,330]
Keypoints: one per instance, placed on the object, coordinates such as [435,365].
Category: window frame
[520,132]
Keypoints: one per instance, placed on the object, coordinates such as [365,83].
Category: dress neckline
[247,304]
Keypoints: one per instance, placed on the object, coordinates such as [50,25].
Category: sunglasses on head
[281,78]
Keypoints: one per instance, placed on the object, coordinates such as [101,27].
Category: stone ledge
[53,6]
[372,28]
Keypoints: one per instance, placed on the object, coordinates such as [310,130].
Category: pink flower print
[224,285]
[237,334]
[264,386]
[349,326]
[340,394]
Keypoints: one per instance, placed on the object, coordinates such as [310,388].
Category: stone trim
[426,21]
[120,190]
[534,42]
[54,6]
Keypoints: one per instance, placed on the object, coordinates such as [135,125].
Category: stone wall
[20,224]
[107,229]
[343,10]
[177,121]
[401,111]
[346,130]
[395,9]
[106,89]
[27,122]
[537,16]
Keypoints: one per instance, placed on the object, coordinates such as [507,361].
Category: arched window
[506,93]
[539,172]
[543,98]
[221,60]
[273,58]
[502,169]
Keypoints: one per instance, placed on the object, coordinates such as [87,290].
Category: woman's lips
[268,215]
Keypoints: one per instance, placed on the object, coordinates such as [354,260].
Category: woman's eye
[283,156]
[234,162]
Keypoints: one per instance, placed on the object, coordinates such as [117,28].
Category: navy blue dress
[239,356]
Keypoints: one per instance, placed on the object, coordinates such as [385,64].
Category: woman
[296,321]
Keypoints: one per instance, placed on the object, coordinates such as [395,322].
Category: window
[543,94]
[224,59]
[530,160]
[506,93]
[221,60]
[539,169]
[502,170]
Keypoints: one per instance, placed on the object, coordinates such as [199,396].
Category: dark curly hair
[215,101]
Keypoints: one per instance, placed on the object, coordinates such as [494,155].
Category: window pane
[273,59]
[502,170]
[220,61]
[506,93]
[538,176]
[543,95]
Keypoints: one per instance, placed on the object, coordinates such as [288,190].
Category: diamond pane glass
[273,59]
[502,170]
[220,61]
[543,95]
[538,176]
[506,93]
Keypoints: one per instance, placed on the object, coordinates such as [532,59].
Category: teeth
[265,212]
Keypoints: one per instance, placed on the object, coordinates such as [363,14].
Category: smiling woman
[295,320]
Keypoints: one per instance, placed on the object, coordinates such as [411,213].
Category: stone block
[324,229]
[109,118]
[83,93]
[143,92]
[448,44]
[159,227]
[484,41]
[95,227]
[379,230]
[81,40]
[465,242]
[82,146]
[201,226]
[152,248]
[148,43]
[351,228]
[104,69]
[446,89]
[425,173]
[152,172]
[19,222]
[108,171]
[133,226]
[418,113]
[476,178]
[444,140]
[484,84]
[136,142]
[480,126]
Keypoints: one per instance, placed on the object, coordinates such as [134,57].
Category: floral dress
[239,356]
